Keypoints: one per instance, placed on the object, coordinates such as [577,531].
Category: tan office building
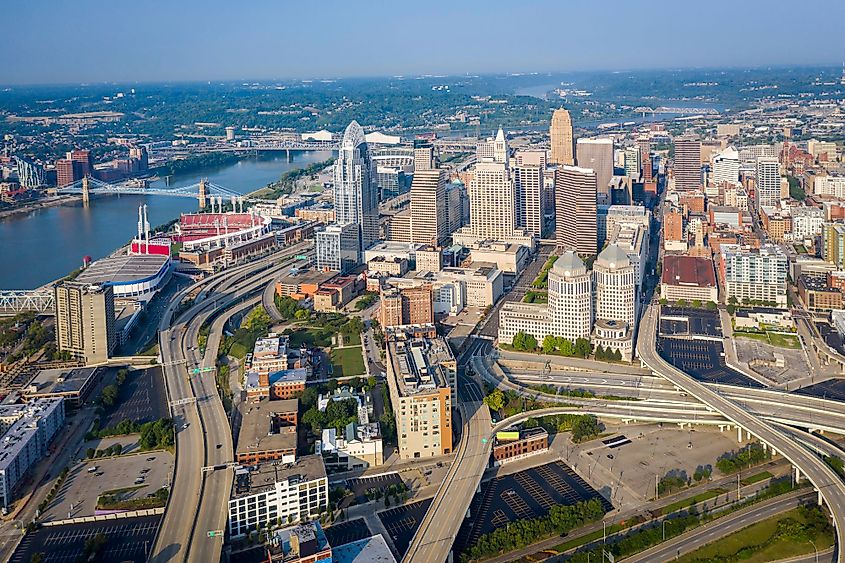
[428,207]
[597,155]
[491,201]
[560,133]
[421,376]
[85,321]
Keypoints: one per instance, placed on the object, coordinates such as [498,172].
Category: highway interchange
[203,478]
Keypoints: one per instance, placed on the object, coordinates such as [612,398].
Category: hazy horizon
[101,42]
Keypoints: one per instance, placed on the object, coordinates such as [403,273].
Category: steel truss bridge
[39,301]
[130,187]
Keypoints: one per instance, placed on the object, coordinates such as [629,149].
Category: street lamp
[814,549]
[663,525]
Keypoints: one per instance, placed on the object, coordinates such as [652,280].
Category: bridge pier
[739,434]
[202,193]
[819,500]
[86,191]
[797,475]
[287,154]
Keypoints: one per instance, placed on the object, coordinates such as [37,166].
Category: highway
[197,504]
[703,535]
[830,486]
[434,537]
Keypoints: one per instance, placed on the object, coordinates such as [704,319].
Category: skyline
[256,42]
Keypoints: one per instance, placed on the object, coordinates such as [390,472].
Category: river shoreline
[46,203]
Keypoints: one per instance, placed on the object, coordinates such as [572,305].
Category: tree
[682,303]
[732,300]
[582,347]
[567,348]
[617,355]
[663,301]
[585,427]
[549,343]
[711,305]
[696,303]
[37,557]
[600,352]
[302,315]
[495,400]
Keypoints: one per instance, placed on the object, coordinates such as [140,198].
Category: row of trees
[736,460]
[608,354]
[695,303]
[155,435]
[560,520]
[337,415]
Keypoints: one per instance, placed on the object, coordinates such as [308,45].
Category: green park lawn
[760,534]
[347,362]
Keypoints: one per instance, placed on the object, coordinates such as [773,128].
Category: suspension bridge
[202,191]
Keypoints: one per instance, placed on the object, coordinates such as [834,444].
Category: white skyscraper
[726,167]
[491,197]
[767,182]
[614,281]
[355,186]
[570,297]
[494,149]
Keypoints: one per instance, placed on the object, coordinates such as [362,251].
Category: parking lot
[697,322]
[625,473]
[127,539]
[702,359]
[360,485]
[142,398]
[830,389]
[78,495]
[347,532]
[524,495]
[401,523]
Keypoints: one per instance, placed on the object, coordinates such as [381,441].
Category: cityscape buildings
[85,321]
[687,165]
[575,207]
[597,155]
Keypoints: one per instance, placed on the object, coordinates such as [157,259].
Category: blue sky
[58,41]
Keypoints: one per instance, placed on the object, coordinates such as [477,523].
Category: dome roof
[613,258]
[569,264]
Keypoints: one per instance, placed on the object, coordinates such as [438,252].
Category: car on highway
[92,469]
[184,426]
[219,446]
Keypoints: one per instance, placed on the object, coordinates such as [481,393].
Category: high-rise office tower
[560,134]
[429,223]
[645,157]
[424,155]
[494,149]
[67,172]
[83,157]
[491,197]
[457,207]
[633,163]
[687,167]
[528,194]
[570,297]
[614,282]
[726,167]
[85,321]
[355,187]
[535,157]
[575,209]
[597,154]
[767,181]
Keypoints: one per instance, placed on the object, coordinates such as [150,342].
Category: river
[46,244]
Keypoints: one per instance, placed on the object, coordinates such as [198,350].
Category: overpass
[781,410]
[829,485]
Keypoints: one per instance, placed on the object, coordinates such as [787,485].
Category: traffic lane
[707,534]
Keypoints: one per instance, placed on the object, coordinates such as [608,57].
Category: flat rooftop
[62,380]
[299,277]
[272,347]
[260,433]
[368,550]
[265,476]
[418,364]
[25,428]
[688,270]
[123,269]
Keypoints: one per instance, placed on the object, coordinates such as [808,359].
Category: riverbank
[46,203]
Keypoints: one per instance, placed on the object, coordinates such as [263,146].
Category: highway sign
[214,533]
[201,370]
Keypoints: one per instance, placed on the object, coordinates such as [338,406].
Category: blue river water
[44,245]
